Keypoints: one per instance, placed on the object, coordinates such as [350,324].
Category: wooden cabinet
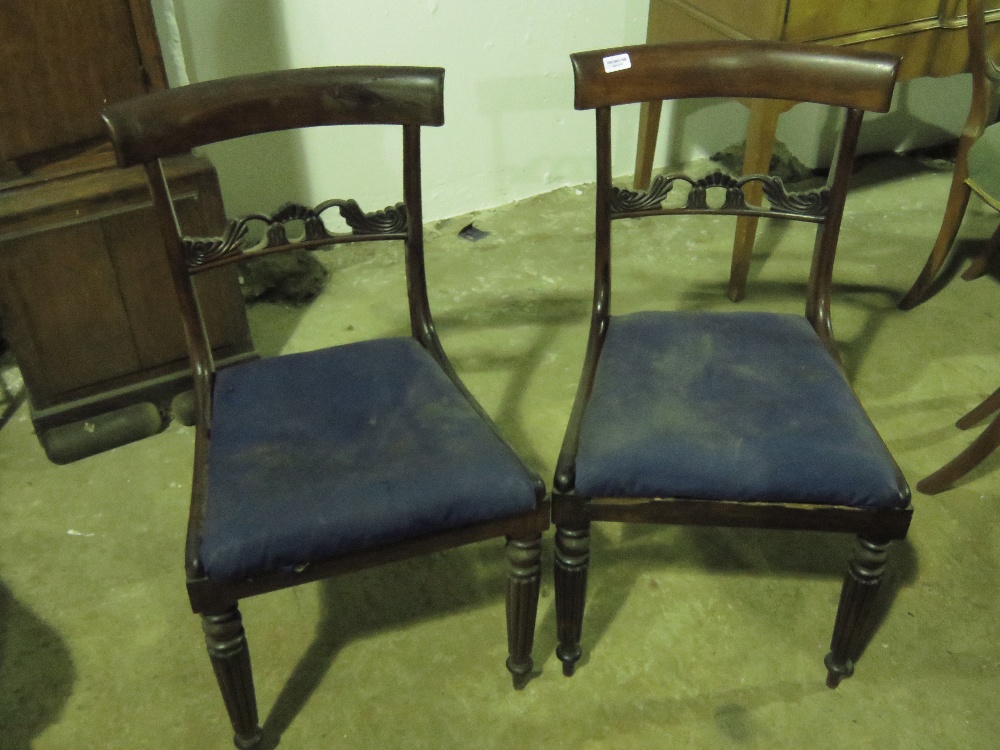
[929,34]
[86,301]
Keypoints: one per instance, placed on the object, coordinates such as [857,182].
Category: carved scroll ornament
[811,203]
[203,250]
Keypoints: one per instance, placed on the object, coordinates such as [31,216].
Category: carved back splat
[203,253]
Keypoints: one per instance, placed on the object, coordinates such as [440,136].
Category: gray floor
[693,637]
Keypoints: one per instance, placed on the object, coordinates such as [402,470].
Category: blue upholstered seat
[740,406]
[344,449]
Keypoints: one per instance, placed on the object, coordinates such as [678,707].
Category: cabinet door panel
[136,250]
[811,19]
[137,253]
[51,281]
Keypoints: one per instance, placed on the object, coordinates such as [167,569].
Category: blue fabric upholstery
[733,406]
[344,449]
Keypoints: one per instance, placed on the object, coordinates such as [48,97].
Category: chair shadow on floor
[410,592]
[963,250]
[547,314]
[618,565]
[36,674]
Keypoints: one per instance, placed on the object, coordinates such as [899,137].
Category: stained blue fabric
[344,449]
[734,406]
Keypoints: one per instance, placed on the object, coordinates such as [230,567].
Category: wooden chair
[739,419]
[933,276]
[317,463]
[984,180]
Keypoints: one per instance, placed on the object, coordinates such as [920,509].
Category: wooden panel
[753,19]
[930,35]
[72,198]
[88,302]
[49,283]
[670,22]
[60,61]
[810,20]
[137,254]
[954,10]
[136,251]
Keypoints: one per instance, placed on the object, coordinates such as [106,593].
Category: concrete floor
[693,637]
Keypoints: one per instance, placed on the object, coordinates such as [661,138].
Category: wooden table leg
[649,125]
[927,284]
[756,160]
[981,263]
[990,405]
[971,457]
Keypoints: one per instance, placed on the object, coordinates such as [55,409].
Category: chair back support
[150,128]
[176,121]
[762,70]
[854,81]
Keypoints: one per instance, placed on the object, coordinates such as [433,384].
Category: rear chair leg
[523,556]
[227,648]
[861,585]
[572,561]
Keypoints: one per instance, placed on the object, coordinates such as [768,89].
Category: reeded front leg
[524,557]
[864,577]
[572,561]
[227,648]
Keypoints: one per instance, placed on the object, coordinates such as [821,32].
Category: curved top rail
[735,69]
[175,121]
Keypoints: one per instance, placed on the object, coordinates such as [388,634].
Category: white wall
[511,130]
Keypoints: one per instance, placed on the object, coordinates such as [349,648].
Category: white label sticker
[613,63]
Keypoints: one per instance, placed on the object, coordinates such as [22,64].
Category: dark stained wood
[91,322]
[155,126]
[43,298]
[572,560]
[60,62]
[857,599]
[85,292]
[733,514]
[772,71]
[740,70]
[171,123]
[524,559]
[227,648]
[148,43]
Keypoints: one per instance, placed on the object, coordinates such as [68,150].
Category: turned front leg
[523,556]
[227,648]
[572,560]
[857,597]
